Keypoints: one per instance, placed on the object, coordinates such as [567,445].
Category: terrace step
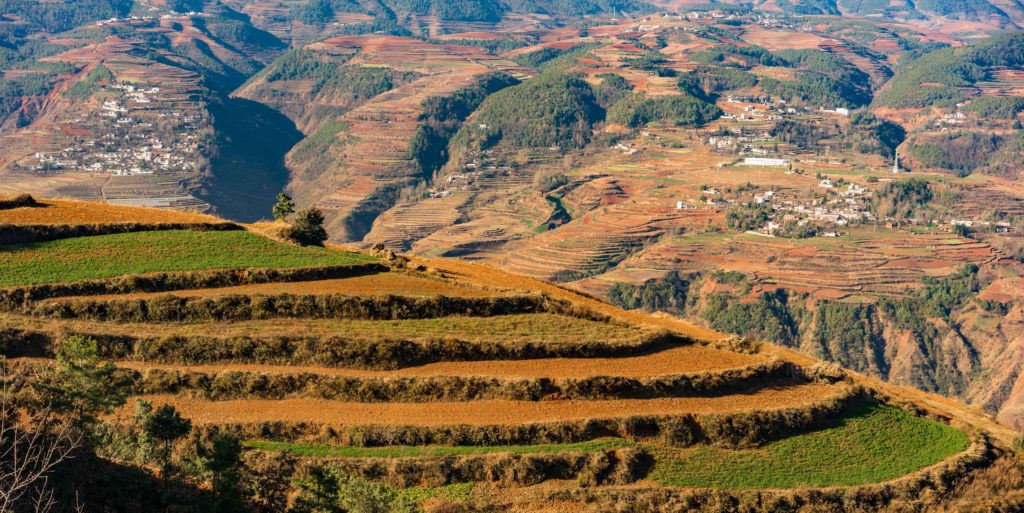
[464,416]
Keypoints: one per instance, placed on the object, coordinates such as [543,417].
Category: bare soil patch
[481,412]
[68,212]
[678,360]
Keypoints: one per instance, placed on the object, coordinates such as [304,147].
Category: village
[139,129]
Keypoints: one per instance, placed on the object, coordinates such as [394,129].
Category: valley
[579,255]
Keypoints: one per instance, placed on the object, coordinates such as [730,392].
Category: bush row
[24,234]
[740,430]
[924,490]
[19,297]
[611,467]
[232,385]
[334,351]
[239,307]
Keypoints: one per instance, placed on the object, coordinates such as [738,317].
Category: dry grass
[481,412]
[492,277]
[70,212]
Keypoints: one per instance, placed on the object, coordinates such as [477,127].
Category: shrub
[308,228]
[19,201]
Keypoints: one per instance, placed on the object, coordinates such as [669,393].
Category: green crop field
[106,256]
[453,492]
[341,451]
[511,329]
[874,443]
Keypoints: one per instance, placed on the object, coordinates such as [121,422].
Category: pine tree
[284,206]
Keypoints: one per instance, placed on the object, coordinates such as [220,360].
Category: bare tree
[31,446]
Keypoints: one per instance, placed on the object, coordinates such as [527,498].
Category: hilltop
[451,384]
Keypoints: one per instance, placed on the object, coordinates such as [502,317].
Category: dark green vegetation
[442,118]
[611,90]
[84,89]
[962,152]
[307,228]
[820,78]
[667,294]
[60,16]
[341,451]
[772,317]
[330,72]
[748,217]
[552,109]
[715,79]
[873,443]
[734,56]
[679,110]
[874,135]
[851,335]
[948,75]
[996,107]
[809,6]
[24,55]
[556,109]
[963,9]
[106,256]
[903,199]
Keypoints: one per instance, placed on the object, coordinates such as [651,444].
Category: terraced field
[107,256]
[864,262]
[392,372]
[80,213]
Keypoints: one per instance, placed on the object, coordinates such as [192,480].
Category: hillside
[360,101]
[442,384]
[145,100]
[953,74]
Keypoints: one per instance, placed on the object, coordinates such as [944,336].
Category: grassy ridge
[341,451]
[106,256]
[874,443]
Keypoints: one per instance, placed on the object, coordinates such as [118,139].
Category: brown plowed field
[82,213]
[390,283]
[480,412]
[679,360]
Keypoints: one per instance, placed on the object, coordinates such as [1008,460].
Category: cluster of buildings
[741,141]
[148,19]
[848,206]
[482,165]
[137,130]
[951,119]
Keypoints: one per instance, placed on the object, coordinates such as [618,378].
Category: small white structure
[765,162]
[826,183]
